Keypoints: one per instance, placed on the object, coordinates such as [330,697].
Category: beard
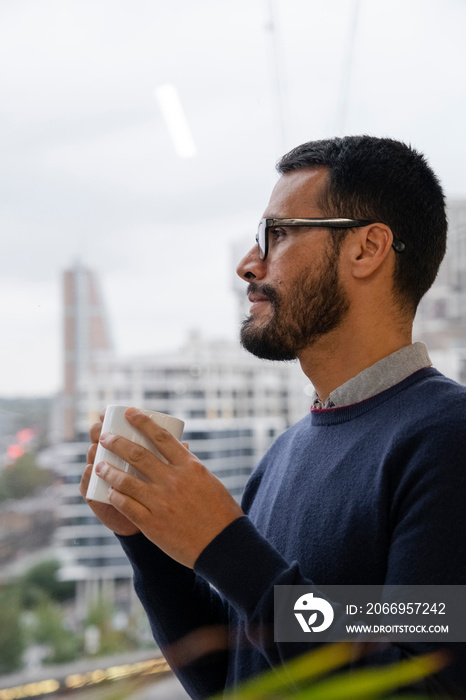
[310,309]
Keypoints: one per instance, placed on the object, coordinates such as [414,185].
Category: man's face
[296,294]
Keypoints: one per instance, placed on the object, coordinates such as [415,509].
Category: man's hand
[181,507]
[110,517]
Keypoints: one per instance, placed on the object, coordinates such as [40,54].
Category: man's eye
[277,233]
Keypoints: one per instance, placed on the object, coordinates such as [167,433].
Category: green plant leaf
[367,684]
[306,667]
[363,684]
[416,697]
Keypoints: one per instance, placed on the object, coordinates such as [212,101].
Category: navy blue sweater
[371,493]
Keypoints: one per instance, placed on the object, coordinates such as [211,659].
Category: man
[370,487]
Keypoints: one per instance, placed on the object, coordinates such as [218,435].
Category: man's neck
[338,356]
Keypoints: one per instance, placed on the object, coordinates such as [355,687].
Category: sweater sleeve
[188,618]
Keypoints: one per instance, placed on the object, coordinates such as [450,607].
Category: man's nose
[251,266]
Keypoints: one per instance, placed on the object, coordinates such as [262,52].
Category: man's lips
[256,297]
[257,300]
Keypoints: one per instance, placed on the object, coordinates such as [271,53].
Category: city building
[86,337]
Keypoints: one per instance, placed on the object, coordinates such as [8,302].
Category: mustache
[266,289]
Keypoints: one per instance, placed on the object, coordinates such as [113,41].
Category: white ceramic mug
[116,423]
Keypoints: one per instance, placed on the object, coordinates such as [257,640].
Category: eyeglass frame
[334,223]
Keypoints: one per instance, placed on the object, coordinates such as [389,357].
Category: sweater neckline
[332,416]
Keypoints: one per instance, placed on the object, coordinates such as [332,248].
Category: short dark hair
[388,181]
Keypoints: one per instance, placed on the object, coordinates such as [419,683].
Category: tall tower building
[86,338]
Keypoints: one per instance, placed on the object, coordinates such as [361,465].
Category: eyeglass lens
[261,239]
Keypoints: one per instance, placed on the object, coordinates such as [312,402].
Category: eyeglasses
[262,236]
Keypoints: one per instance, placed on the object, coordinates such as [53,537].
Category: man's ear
[369,249]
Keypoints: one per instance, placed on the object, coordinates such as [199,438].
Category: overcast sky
[89,170]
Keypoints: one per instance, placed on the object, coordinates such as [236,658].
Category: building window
[161,395]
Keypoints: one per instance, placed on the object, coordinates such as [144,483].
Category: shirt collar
[382,375]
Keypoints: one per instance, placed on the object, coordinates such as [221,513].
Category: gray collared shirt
[382,375]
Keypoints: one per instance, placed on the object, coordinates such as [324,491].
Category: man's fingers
[85,480]
[145,461]
[167,445]
[95,431]
[91,453]
[124,483]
